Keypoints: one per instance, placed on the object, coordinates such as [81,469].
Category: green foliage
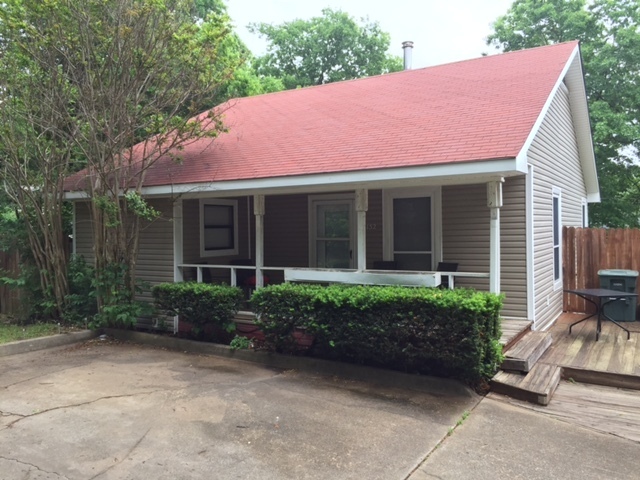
[452,333]
[14,333]
[240,343]
[609,32]
[140,207]
[119,308]
[324,49]
[81,305]
[199,303]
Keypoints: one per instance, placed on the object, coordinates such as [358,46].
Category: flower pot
[249,330]
[303,339]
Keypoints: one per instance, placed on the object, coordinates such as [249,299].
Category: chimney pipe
[407,47]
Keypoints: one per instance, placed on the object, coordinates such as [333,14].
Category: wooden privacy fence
[10,301]
[587,250]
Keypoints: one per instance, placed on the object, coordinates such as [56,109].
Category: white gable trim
[573,75]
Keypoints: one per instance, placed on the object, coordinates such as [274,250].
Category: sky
[443,31]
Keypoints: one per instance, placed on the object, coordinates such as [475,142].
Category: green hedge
[199,303]
[450,333]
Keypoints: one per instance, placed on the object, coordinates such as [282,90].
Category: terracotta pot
[249,330]
[303,339]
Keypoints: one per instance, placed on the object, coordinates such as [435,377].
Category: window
[331,231]
[218,227]
[412,219]
[557,238]
[585,213]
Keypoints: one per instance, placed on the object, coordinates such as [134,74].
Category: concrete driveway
[120,411]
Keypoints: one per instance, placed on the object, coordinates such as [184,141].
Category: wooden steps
[525,353]
[522,377]
[537,386]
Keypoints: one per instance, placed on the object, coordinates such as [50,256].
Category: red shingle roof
[460,112]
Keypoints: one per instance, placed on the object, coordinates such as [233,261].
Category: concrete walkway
[500,440]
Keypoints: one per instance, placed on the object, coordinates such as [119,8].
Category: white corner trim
[530,246]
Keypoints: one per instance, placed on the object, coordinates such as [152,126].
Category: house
[479,162]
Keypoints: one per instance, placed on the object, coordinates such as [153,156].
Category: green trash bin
[621,281]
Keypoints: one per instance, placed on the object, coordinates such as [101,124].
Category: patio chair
[446,267]
[385,265]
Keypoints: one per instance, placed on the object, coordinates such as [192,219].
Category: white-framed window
[585,213]
[556,217]
[218,227]
[332,231]
[412,227]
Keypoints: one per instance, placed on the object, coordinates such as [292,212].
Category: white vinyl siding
[554,155]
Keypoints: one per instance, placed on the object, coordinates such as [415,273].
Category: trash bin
[622,281]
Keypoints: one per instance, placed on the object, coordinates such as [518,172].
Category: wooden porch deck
[512,331]
[612,361]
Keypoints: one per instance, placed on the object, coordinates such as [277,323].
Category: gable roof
[480,110]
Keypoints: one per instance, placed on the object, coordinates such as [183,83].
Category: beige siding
[554,156]
[83,232]
[374,228]
[286,231]
[465,239]
[155,254]
[513,247]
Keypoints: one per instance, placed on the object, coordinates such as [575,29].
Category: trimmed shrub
[199,303]
[450,333]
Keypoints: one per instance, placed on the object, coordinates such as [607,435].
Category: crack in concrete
[20,462]
[61,407]
[10,414]
[124,457]
[41,375]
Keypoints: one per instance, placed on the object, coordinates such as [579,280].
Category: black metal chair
[446,267]
[385,265]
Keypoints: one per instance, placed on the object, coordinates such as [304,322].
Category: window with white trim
[556,215]
[218,227]
[585,213]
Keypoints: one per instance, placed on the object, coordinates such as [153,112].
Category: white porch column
[177,241]
[494,202]
[258,211]
[362,205]
[178,251]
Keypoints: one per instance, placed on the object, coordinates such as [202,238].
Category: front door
[332,232]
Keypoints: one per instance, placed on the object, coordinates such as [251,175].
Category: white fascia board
[441,174]
[574,76]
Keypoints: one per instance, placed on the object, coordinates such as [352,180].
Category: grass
[12,333]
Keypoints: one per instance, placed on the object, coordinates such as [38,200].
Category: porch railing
[326,275]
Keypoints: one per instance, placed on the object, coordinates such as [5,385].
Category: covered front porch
[440,235]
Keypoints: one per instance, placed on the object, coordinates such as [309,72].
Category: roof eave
[455,173]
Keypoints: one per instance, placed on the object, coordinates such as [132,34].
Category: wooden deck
[512,330]
[612,361]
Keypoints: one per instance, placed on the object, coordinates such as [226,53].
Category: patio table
[600,297]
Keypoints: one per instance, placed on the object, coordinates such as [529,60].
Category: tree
[324,49]
[609,31]
[112,86]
